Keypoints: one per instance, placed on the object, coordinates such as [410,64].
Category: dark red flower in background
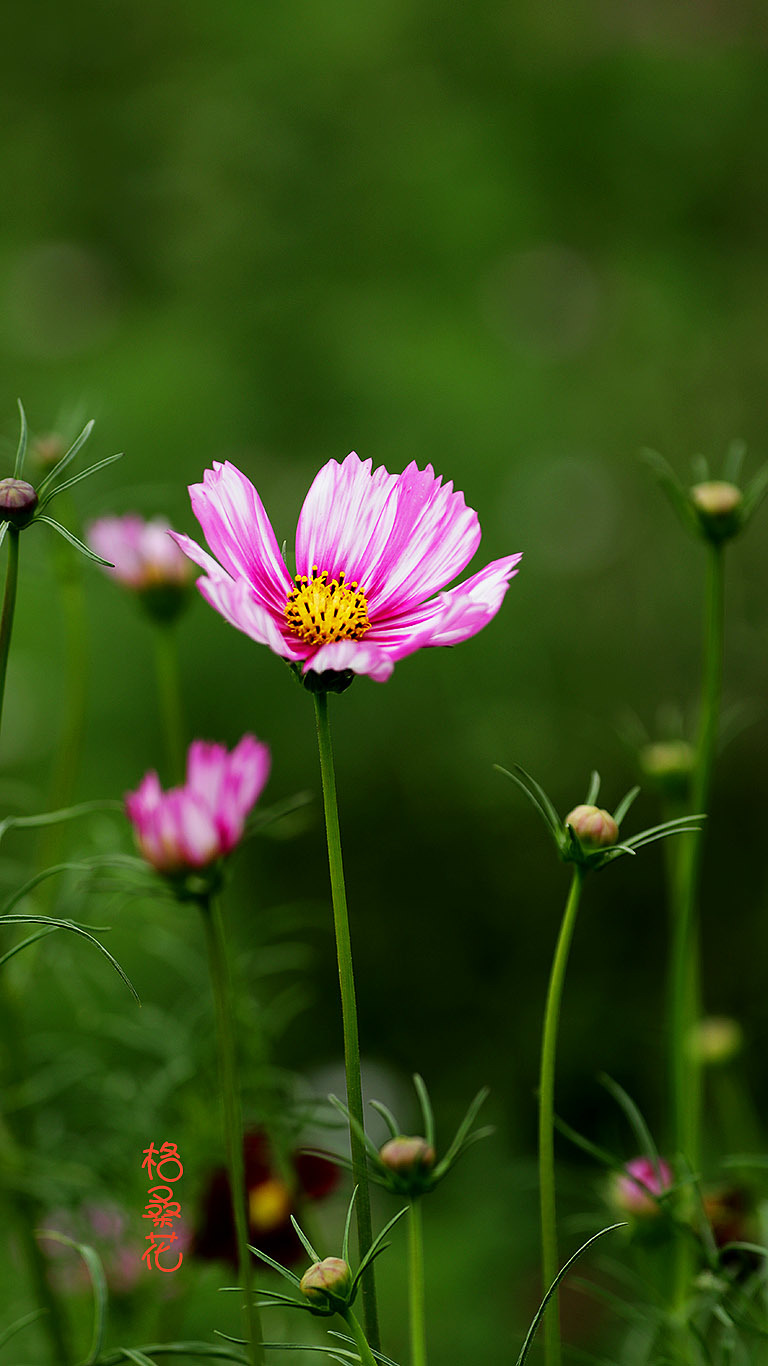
[274,1194]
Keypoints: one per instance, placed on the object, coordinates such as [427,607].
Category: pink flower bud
[192,826]
[326,1282]
[408,1156]
[18,501]
[595,828]
[634,1189]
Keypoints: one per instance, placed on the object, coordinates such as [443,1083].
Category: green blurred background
[518,242]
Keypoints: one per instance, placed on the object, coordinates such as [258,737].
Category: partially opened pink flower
[192,826]
[637,1189]
[372,551]
[143,553]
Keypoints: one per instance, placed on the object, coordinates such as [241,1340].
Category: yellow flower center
[319,609]
[269,1205]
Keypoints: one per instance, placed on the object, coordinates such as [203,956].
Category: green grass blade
[21,450]
[66,459]
[558,1278]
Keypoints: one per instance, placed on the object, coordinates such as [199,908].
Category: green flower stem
[9,604]
[348,1012]
[169,693]
[366,1355]
[233,1119]
[685,970]
[549,1254]
[416,1284]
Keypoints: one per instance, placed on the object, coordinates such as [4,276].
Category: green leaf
[624,805]
[370,1146]
[387,1116]
[67,813]
[754,493]
[73,540]
[537,797]
[21,450]
[138,1358]
[41,934]
[377,1246]
[66,459]
[734,460]
[14,1328]
[304,1240]
[600,1155]
[347,1222]
[677,495]
[283,1271]
[76,929]
[558,1278]
[98,1281]
[593,789]
[76,478]
[426,1109]
[3,531]
[460,1136]
[345,1337]
[637,1122]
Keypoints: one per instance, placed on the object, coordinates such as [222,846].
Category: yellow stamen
[319,609]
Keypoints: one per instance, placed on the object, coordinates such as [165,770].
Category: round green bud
[327,1283]
[595,828]
[408,1156]
[718,505]
[18,501]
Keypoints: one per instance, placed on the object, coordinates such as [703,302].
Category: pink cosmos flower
[192,826]
[634,1189]
[372,551]
[143,554]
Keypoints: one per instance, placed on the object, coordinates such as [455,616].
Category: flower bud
[408,1156]
[718,505]
[327,1283]
[716,498]
[47,450]
[634,1189]
[716,1040]
[669,765]
[595,828]
[18,501]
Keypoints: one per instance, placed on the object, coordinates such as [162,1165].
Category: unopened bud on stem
[18,501]
[327,1283]
[595,828]
[408,1156]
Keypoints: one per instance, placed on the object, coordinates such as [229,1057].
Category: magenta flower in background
[637,1188]
[143,553]
[372,551]
[192,826]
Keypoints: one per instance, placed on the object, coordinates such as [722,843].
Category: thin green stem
[416,1284]
[549,1253]
[233,1118]
[348,1012]
[685,967]
[9,605]
[361,1342]
[169,694]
